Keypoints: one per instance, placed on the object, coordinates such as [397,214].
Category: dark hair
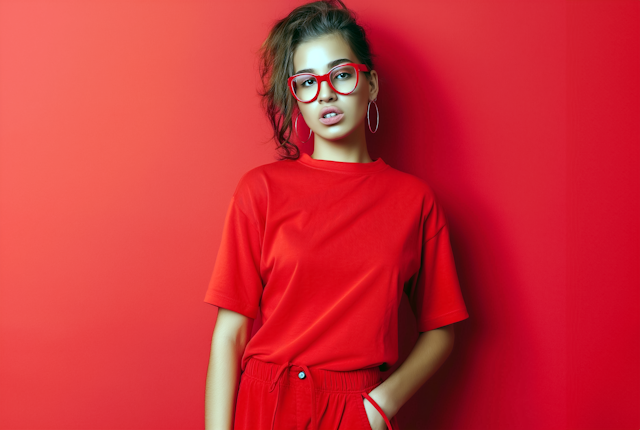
[304,23]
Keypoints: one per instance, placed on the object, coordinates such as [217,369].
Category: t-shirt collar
[343,166]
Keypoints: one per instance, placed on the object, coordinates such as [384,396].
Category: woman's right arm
[230,336]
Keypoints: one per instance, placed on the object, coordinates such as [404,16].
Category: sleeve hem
[222,301]
[442,320]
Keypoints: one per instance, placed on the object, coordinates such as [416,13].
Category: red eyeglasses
[343,79]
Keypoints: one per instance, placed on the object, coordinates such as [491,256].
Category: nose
[326,92]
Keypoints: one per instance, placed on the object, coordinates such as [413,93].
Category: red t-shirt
[325,250]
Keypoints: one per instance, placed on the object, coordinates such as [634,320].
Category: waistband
[325,380]
[359,380]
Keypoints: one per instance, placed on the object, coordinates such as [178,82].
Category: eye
[342,73]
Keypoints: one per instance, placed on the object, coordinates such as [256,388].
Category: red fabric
[289,396]
[325,249]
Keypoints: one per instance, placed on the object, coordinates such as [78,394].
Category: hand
[376,421]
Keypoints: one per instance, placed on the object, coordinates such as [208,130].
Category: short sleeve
[434,291]
[236,283]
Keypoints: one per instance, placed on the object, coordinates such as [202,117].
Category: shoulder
[411,187]
[417,193]
[256,180]
[255,185]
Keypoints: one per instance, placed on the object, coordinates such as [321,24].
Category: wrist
[384,399]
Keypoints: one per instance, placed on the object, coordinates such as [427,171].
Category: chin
[338,134]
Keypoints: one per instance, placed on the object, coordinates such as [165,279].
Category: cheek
[363,97]
[360,106]
[305,110]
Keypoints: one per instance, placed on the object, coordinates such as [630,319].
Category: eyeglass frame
[321,78]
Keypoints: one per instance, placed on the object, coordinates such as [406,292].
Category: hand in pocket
[376,420]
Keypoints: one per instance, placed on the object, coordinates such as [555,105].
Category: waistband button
[301,375]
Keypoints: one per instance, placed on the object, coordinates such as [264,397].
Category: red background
[125,125]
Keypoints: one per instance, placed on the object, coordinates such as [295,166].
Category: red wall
[124,127]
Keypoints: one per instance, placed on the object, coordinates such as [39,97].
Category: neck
[351,148]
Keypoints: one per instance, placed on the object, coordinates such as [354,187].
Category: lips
[329,109]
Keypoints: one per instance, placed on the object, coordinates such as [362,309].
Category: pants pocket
[363,413]
[365,395]
[254,405]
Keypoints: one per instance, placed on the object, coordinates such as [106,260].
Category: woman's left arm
[429,353]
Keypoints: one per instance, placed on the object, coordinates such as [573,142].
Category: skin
[428,354]
[230,337]
[344,141]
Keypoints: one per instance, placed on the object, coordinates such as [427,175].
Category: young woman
[323,246]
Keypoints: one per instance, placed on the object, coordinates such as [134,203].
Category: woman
[323,246]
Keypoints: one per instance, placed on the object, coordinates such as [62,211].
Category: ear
[373,85]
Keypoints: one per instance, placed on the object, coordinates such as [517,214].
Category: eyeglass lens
[343,79]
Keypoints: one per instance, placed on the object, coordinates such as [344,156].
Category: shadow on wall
[423,133]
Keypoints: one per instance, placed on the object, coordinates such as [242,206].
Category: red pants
[293,397]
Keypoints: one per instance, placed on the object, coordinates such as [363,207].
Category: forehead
[317,53]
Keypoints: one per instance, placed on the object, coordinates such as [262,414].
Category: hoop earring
[377,112]
[296,127]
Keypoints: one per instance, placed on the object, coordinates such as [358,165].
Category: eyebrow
[329,65]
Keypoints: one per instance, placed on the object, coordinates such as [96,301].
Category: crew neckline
[343,166]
